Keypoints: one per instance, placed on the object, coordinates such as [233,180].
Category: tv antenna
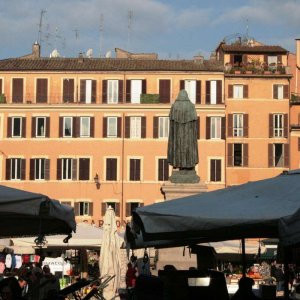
[130,16]
[39,38]
[101,33]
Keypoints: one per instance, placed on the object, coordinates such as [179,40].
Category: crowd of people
[33,283]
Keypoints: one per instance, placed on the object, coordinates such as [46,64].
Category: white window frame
[85,128]
[112,127]
[280,91]
[13,130]
[190,87]
[112,91]
[135,127]
[68,119]
[84,208]
[43,130]
[238,125]
[39,168]
[278,121]
[15,168]
[213,92]
[136,90]
[66,168]
[163,127]
[216,128]
[88,91]
[238,91]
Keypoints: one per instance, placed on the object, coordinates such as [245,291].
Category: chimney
[198,59]
[36,50]
[298,52]
[80,57]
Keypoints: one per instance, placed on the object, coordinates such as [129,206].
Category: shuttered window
[87,91]
[83,208]
[163,169]
[213,92]
[41,90]
[111,169]
[280,91]
[15,169]
[135,169]
[132,206]
[68,90]
[114,205]
[17,90]
[215,170]
[84,169]
[164,90]
[39,169]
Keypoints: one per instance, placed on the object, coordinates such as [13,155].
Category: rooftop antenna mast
[76,35]
[130,16]
[101,33]
[39,38]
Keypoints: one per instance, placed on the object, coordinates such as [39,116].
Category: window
[214,92]
[215,170]
[66,168]
[112,127]
[17,90]
[84,169]
[163,127]
[84,126]
[238,125]
[16,127]
[237,91]
[68,90]
[111,168]
[87,91]
[41,90]
[83,208]
[164,90]
[278,125]
[15,169]
[163,169]
[131,206]
[112,91]
[67,127]
[272,59]
[237,155]
[278,155]
[135,169]
[134,89]
[190,87]
[114,205]
[215,127]
[135,127]
[280,91]
[39,169]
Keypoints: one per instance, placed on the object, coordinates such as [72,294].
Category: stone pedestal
[178,190]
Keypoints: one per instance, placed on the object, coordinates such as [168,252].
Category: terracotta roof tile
[105,64]
[253,49]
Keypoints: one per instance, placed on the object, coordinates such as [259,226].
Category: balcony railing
[295,98]
[257,69]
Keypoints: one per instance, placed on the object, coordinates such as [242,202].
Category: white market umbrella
[110,260]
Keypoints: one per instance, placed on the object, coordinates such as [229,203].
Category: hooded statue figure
[182,143]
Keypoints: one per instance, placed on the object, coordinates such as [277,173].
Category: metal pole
[244,257]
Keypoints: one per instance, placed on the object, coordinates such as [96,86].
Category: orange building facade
[93,132]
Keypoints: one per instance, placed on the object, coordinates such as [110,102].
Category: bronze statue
[182,143]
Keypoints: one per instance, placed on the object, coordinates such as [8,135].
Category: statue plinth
[179,190]
[184,176]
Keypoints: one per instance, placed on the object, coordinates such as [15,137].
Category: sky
[174,29]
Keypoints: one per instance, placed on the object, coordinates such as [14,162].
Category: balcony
[295,98]
[256,69]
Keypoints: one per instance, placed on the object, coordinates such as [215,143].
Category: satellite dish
[54,54]
[89,53]
[108,54]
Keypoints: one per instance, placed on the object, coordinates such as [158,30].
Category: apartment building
[93,132]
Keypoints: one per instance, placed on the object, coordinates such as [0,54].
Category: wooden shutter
[1,87]
[47,127]
[285,125]
[230,91]
[223,128]
[68,90]
[230,125]
[58,169]
[91,208]
[9,127]
[92,127]
[271,126]
[94,91]
[245,91]
[155,127]
[103,208]
[246,125]
[143,127]
[128,91]
[121,98]
[23,127]
[181,85]
[17,90]
[61,127]
[207,128]
[76,127]
[41,90]
[245,155]
[198,91]
[33,127]
[219,92]
[117,209]
[31,169]
[286,155]
[144,86]
[270,155]
[164,90]
[231,59]
[213,170]
[127,127]
[128,209]
[218,170]
[207,92]
[47,169]
[23,169]
[229,155]
[82,90]
[109,165]
[76,208]
[8,169]
[163,169]
[286,91]
[298,144]
[105,127]
[275,91]
[198,128]
[104,91]
[84,169]
[119,128]
[74,169]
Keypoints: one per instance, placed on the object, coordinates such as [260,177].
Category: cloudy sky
[171,28]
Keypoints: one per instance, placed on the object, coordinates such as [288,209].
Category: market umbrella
[25,213]
[110,261]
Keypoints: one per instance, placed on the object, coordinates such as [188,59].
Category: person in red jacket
[130,276]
